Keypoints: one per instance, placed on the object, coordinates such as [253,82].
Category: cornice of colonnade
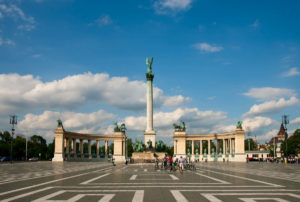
[212,136]
[110,137]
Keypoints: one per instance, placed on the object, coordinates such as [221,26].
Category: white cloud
[16,13]
[255,24]
[268,136]
[26,92]
[104,20]
[171,6]
[271,106]
[6,42]
[205,47]
[212,98]
[258,123]
[37,55]
[26,27]
[269,93]
[193,117]
[45,123]
[292,72]
[295,121]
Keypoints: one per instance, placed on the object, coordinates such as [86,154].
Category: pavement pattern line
[211,196]
[245,178]
[26,194]
[42,173]
[213,178]
[138,195]
[49,182]
[133,177]
[95,178]
[262,199]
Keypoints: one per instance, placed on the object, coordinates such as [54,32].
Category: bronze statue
[118,128]
[180,127]
[239,125]
[149,64]
[59,123]
[149,144]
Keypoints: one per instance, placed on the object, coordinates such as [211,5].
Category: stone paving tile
[82,181]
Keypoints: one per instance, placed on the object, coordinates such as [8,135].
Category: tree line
[36,147]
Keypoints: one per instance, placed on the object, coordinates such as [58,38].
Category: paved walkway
[82,181]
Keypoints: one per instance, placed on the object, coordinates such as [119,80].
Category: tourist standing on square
[181,161]
[170,163]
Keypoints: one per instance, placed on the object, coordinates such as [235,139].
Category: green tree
[160,146]
[129,147]
[50,150]
[293,144]
[253,145]
[19,148]
[37,147]
[170,150]
[5,143]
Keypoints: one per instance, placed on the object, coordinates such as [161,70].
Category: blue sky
[215,62]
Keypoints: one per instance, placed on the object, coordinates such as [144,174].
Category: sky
[84,62]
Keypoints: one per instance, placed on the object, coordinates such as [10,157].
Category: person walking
[181,161]
[171,163]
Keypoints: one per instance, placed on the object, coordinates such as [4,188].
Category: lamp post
[248,133]
[13,121]
[285,121]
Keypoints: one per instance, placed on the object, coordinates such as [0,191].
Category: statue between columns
[180,127]
[121,128]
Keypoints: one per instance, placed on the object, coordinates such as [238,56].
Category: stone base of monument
[58,158]
[119,158]
[147,156]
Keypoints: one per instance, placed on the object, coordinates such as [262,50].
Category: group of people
[172,162]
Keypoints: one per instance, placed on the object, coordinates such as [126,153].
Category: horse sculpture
[180,127]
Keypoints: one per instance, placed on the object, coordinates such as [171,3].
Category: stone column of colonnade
[81,148]
[201,147]
[224,148]
[106,146]
[74,146]
[97,148]
[208,152]
[193,147]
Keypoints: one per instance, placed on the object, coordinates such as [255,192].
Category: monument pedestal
[141,157]
[58,158]
[149,136]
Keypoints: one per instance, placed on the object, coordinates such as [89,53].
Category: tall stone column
[124,148]
[208,152]
[74,146]
[201,147]
[193,147]
[224,148]
[89,149]
[60,143]
[81,147]
[106,146]
[67,146]
[149,133]
[97,148]
[230,147]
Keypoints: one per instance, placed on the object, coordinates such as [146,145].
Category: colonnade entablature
[210,147]
[66,149]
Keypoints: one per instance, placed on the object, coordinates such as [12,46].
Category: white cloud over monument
[26,92]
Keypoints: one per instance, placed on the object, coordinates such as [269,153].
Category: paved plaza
[95,181]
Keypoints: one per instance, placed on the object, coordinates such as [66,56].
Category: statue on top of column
[59,123]
[149,64]
[239,125]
